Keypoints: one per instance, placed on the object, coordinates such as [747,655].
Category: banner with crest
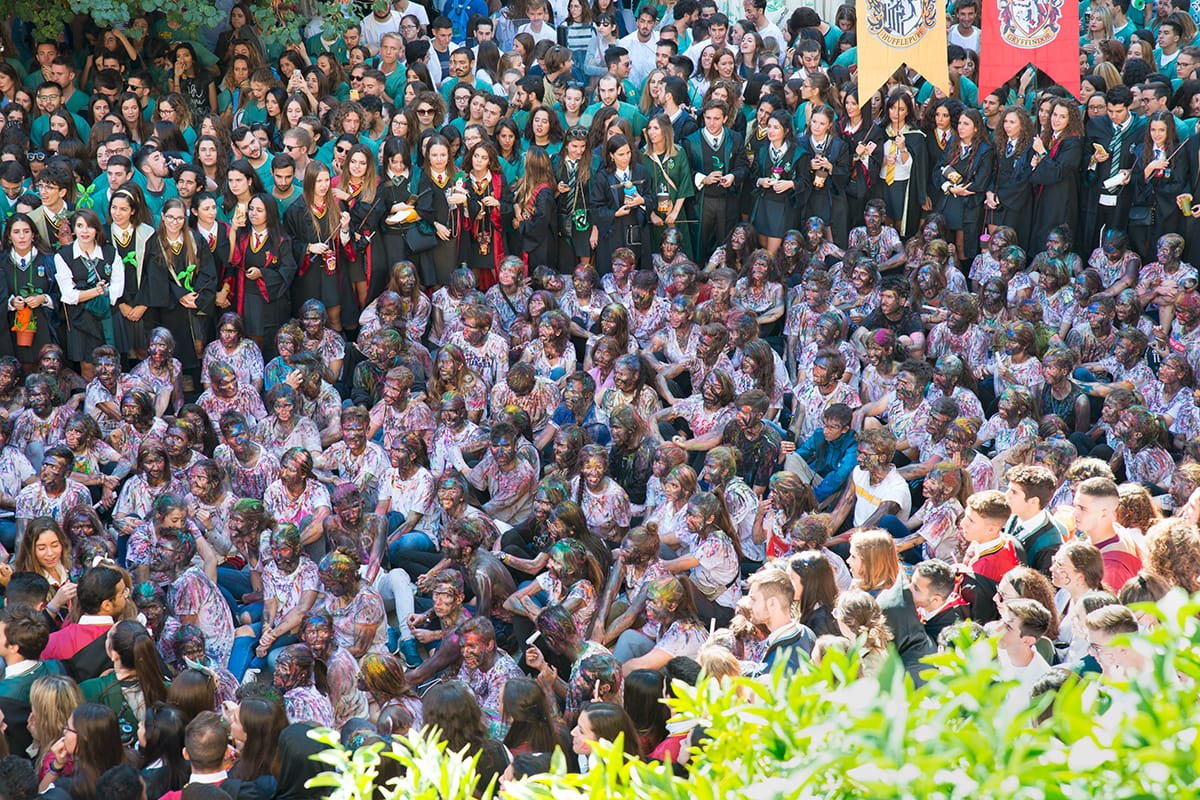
[892,33]
[1044,33]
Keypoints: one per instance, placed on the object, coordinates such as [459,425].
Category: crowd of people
[494,368]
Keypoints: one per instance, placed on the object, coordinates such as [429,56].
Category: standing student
[263,268]
[618,204]
[179,283]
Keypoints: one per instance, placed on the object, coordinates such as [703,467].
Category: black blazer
[1099,130]
[839,155]
[977,169]
[1160,192]
[160,290]
[607,195]
[911,641]
[1013,175]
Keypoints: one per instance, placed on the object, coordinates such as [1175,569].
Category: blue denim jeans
[243,657]
[415,541]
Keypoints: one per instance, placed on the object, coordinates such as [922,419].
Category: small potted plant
[25,326]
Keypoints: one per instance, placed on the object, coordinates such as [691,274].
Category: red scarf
[497,224]
[239,261]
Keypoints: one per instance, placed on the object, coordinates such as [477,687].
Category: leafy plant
[281,21]
[827,733]
[24,320]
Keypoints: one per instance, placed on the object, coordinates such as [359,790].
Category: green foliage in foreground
[822,735]
[281,21]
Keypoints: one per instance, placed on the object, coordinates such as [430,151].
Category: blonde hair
[876,549]
[718,662]
[859,612]
[52,700]
[829,643]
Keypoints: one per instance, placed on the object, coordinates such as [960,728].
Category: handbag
[581,221]
[421,237]
[1141,215]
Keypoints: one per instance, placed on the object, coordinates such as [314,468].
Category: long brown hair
[138,651]
[1023,138]
[189,242]
[98,747]
[370,180]
[26,561]
[1074,120]
[322,225]
[263,721]
[538,172]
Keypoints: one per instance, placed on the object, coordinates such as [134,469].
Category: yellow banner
[893,33]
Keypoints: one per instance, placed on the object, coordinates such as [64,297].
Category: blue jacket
[833,461]
[792,649]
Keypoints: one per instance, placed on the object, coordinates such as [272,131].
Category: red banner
[1044,33]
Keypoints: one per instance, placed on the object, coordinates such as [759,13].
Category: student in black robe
[312,226]
[179,279]
[617,204]
[262,269]
[1058,158]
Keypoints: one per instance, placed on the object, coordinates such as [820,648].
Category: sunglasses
[425,111]
[36,155]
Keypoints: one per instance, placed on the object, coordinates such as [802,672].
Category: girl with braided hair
[605,504]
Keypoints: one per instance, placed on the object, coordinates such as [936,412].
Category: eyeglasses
[68,729]
[47,96]
[174,217]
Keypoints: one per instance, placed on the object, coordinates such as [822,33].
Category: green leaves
[49,17]
[826,733]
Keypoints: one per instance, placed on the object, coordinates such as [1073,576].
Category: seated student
[23,636]
[991,552]
[205,743]
[1038,534]
[1108,632]
[875,489]
[829,455]
[122,782]
[33,590]
[486,668]
[934,588]
[771,596]
[101,595]
[1023,622]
